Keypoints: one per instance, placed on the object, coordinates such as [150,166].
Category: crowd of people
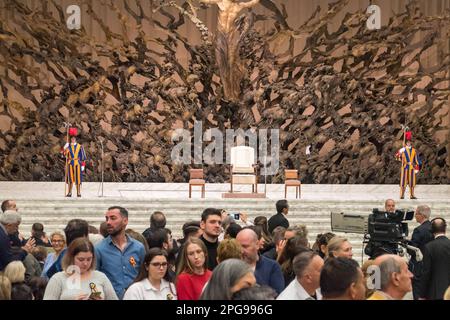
[218,258]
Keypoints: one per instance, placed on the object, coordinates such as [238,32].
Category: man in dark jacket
[280,218]
[420,237]
[436,263]
[9,224]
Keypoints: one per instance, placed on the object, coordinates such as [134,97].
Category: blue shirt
[268,272]
[57,265]
[121,267]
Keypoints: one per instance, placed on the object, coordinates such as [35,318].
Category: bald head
[248,239]
[395,278]
[247,234]
[438,226]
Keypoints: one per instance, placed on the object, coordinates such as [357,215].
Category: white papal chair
[243,168]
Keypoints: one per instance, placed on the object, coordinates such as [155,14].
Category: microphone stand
[265,177]
[101,183]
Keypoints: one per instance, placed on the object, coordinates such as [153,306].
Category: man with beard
[210,224]
[119,256]
[267,271]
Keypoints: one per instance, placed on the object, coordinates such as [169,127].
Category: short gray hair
[10,218]
[424,210]
[302,261]
[387,268]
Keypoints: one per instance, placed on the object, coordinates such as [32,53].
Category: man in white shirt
[307,266]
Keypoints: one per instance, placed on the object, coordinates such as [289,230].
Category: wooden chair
[292,180]
[243,169]
[196,179]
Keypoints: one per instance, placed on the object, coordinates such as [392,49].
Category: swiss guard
[411,165]
[75,162]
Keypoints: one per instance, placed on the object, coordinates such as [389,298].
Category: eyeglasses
[159,264]
[57,241]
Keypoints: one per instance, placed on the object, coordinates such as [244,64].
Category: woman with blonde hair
[192,271]
[228,249]
[5,288]
[79,280]
[339,247]
[15,272]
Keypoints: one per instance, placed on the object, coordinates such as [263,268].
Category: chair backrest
[196,173]
[242,156]
[290,174]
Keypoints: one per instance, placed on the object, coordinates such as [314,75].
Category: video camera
[384,232]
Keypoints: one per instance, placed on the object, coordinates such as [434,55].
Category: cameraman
[376,248]
[389,206]
[420,237]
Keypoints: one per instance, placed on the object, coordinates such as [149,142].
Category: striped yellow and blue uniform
[76,155]
[409,161]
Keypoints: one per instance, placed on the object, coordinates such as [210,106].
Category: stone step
[315,214]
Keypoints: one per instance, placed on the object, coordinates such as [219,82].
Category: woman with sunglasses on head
[153,281]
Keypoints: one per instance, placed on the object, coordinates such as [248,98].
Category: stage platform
[143,191]
[45,202]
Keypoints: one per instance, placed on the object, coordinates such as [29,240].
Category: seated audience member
[5,288]
[9,226]
[365,269]
[15,272]
[339,247]
[295,231]
[321,244]
[32,266]
[190,229]
[342,279]
[37,286]
[93,285]
[157,221]
[267,241]
[292,248]
[232,231]
[278,243]
[58,241]
[395,278]
[305,286]
[267,271]
[192,271]
[37,232]
[227,278]
[74,229]
[153,281]
[227,220]
[21,292]
[229,249]
[40,254]
[103,230]
[256,292]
